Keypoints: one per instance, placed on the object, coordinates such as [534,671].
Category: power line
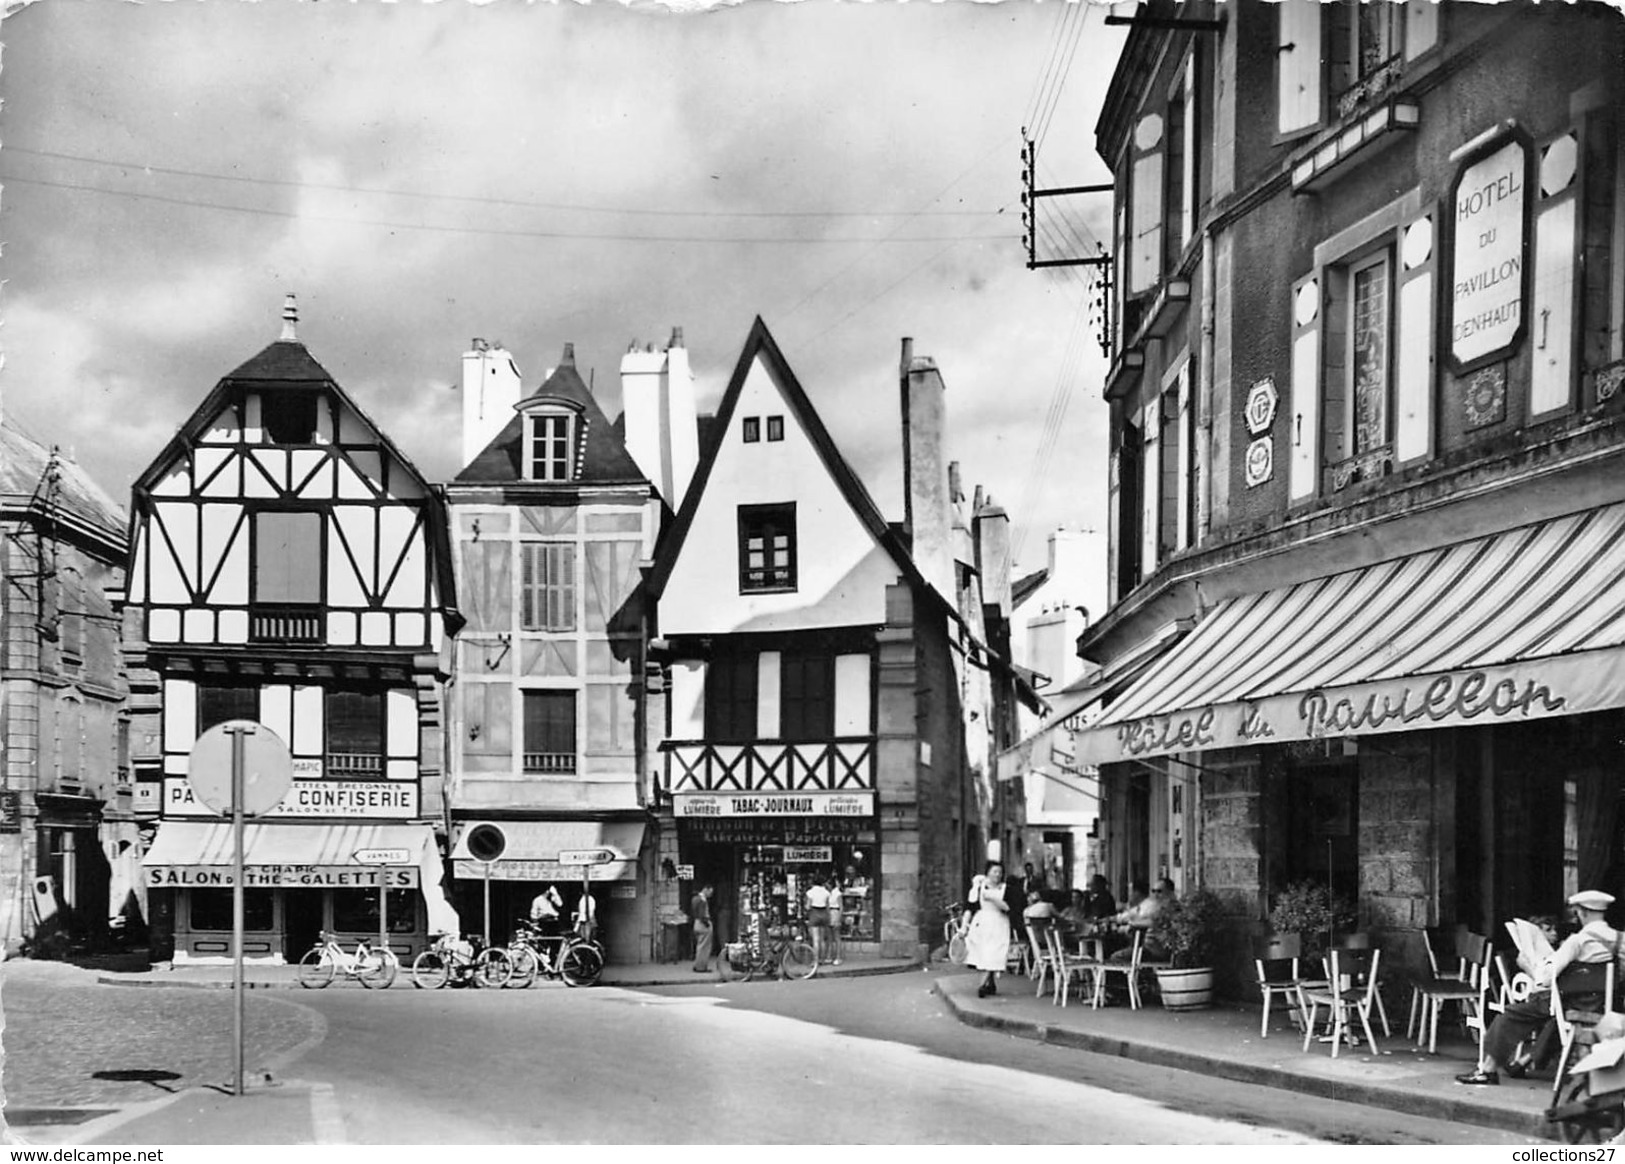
[287,183]
[1045,116]
[596,236]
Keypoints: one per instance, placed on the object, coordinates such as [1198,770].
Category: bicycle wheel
[798,960]
[525,967]
[378,971]
[956,949]
[492,968]
[1595,1127]
[580,965]
[316,969]
[430,970]
[735,967]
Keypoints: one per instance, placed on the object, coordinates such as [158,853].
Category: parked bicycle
[569,956]
[782,954]
[326,960]
[461,962]
[954,931]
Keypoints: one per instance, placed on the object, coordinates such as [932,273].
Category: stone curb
[1392,1099]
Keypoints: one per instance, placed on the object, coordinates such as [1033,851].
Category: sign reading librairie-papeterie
[691,804]
[1489,226]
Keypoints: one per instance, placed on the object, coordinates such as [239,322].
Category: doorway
[303,919]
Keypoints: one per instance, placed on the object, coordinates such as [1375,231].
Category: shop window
[355,911]
[547,586]
[355,733]
[806,696]
[730,699]
[751,430]
[767,547]
[289,416]
[211,909]
[217,704]
[550,732]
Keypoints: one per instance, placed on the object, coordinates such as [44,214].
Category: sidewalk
[258,977]
[1224,1042]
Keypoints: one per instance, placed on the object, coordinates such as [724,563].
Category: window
[751,431]
[289,416]
[1146,205]
[1182,163]
[211,909]
[730,699]
[71,617]
[355,911]
[547,586]
[767,547]
[1357,389]
[217,704]
[775,428]
[355,733]
[1176,468]
[547,447]
[550,732]
[287,576]
[806,696]
[1125,484]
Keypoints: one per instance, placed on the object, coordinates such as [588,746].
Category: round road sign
[267,767]
[487,842]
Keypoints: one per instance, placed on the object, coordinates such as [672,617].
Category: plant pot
[1186,989]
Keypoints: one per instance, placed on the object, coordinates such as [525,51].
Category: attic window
[775,428]
[751,431]
[289,416]
[550,446]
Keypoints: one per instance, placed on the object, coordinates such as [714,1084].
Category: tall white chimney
[657,393]
[925,470]
[491,388]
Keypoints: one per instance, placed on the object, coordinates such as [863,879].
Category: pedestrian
[586,916]
[818,917]
[699,908]
[987,943]
[834,920]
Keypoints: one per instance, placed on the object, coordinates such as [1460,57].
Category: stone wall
[1396,847]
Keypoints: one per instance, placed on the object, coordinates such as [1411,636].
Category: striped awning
[1519,625]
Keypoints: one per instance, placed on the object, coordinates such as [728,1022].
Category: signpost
[587,858]
[382,857]
[242,768]
[487,843]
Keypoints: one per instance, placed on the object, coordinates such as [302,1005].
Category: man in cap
[1595,943]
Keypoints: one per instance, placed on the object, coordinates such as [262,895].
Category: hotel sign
[1489,224]
[366,799]
[1563,685]
[691,804]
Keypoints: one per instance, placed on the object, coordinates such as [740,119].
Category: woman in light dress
[987,944]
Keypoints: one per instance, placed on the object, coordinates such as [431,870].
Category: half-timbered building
[825,714]
[551,518]
[288,565]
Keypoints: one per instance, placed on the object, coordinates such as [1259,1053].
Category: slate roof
[23,462]
[286,361]
[605,460]
[1024,588]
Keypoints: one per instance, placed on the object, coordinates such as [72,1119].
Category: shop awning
[200,854]
[533,848]
[1525,624]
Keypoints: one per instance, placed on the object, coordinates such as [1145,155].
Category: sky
[536,174]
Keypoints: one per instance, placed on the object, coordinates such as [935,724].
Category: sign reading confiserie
[371,799]
[1489,225]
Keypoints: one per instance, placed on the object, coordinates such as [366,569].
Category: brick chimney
[927,510]
[491,388]
[657,394]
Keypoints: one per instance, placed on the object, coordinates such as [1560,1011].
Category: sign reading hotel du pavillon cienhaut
[1489,225]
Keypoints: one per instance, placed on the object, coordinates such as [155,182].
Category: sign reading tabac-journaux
[703,804]
[1490,228]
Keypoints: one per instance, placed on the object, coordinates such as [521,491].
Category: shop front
[502,864]
[373,881]
[762,851]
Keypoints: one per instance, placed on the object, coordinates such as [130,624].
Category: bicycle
[954,931]
[375,967]
[577,960]
[461,963]
[783,954]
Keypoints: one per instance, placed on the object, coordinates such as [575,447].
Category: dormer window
[551,435]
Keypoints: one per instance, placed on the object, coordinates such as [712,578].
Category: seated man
[1077,916]
[1595,943]
[1037,907]
[1099,901]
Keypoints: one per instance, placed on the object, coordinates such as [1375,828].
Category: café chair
[1276,961]
[1468,993]
[1434,939]
[1130,970]
[1351,988]
[1040,938]
[1577,1028]
[1360,940]
[1085,964]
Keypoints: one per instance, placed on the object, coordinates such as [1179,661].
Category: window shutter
[1187,226]
[1183,475]
[1304,391]
[1150,490]
[1421,27]
[1551,321]
[1114,524]
[1413,342]
[1145,220]
[1298,64]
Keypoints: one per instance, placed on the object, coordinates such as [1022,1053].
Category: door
[303,919]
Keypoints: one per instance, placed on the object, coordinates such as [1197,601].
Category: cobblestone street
[62,1028]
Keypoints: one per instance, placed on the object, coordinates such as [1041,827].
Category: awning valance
[1525,624]
[533,848]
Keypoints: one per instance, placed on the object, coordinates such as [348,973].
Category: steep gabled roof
[604,461]
[760,344]
[1025,587]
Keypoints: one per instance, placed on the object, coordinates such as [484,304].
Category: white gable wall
[841,571]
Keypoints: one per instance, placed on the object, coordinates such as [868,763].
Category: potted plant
[1188,929]
[1310,910]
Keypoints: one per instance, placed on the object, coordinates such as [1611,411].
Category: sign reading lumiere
[1489,225]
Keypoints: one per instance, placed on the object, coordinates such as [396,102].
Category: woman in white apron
[987,944]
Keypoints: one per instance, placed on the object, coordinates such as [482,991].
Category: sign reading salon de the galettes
[1489,229]
[1565,685]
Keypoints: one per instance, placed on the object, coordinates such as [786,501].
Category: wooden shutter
[1146,211]
[1298,65]
[1414,340]
[1551,320]
[1303,396]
